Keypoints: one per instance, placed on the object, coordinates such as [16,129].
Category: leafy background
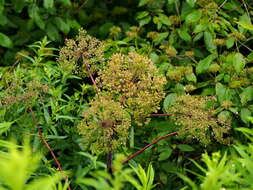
[203,47]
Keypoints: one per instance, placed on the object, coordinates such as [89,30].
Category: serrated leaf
[169,100]
[144,20]
[204,64]
[246,25]
[62,25]
[52,32]
[191,2]
[200,28]
[48,4]
[5,41]
[185,147]
[164,19]
[165,154]
[161,37]
[222,92]
[143,2]
[142,14]
[191,77]
[230,42]
[246,95]
[238,62]
[193,17]
[4,126]
[245,115]
[184,35]
[208,38]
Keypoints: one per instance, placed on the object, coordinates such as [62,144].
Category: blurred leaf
[184,35]
[204,64]
[238,62]
[246,25]
[208,38]
[246,95]
[165,154]
[169,100]
[5,41]
[48,4]
[191,2]
[185,147]
[193,17]
[245,115]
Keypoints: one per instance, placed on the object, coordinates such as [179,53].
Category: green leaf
[5,41]
[144,20]
[238,62]
[52,32]
[246,95]
[185,147]
[184,35]
[246,25]
[222,92]
[200,28]
[62,25]
[165,154]
[5,126]
[245,115]
[161,37]
[193,17]
[65,2]
[142,14]
[169,100]
[143,2]
[2,2]
[230,42]
[208,38]
[48,4]
[191,2]
[164,19]
[204,64]
[191,77]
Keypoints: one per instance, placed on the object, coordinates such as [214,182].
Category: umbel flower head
[105,124]
[85,51]
[133,80]
[202,125]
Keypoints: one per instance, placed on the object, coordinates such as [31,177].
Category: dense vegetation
[148,94]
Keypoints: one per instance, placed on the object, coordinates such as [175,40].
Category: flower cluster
[15,93]
[136,83]
[82,53]
[201,126]
[105,124]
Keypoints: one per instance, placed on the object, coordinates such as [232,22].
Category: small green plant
[18,165]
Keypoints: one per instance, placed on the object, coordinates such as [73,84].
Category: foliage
[24,162]
[231,171]
[201,47]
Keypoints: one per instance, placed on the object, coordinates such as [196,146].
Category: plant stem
[92,79]
[109,162]
[47,146]
[175,115]
[147,146]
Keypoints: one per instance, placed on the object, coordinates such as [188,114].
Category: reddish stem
[92,79]
[175,115]
[147,146]
[48,147]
